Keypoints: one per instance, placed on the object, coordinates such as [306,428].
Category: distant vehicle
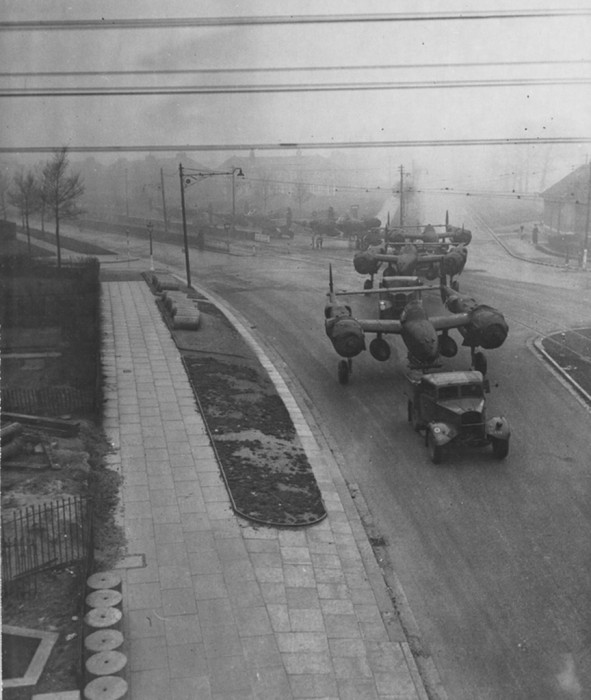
[450,408]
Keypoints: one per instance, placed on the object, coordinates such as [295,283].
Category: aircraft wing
[429,258]
[387,290]
[441,323]
[380,326]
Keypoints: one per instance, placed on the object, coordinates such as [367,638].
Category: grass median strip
[266,470]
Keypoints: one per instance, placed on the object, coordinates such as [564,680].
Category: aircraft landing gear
[368,284]
[479,362]
[344,369]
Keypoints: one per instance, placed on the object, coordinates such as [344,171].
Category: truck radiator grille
[471,418]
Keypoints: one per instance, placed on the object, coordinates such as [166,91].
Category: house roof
[574,186]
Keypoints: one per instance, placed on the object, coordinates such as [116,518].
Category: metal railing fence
[46,536]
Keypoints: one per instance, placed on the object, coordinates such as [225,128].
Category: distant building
[566,204]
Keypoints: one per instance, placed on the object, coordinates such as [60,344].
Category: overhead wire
[290,69]
[189,22]
[299,145]
[284,88]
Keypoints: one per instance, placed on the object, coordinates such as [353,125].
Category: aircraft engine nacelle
[453,262]
[344,332]
[487,328]
[365,263]
[459,235]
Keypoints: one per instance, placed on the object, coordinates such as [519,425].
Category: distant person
[534,234]
[521,231]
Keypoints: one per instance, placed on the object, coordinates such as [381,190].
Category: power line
[320,146]
[283,88]
[186,22]
[290,69]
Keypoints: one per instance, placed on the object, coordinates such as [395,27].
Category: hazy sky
[418,113]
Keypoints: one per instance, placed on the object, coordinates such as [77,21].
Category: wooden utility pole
[401,206]
[586,243]
[163,202]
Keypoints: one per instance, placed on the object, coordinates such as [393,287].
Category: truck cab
[451,407]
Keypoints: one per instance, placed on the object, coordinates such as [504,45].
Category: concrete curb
[537,347]
[388,591]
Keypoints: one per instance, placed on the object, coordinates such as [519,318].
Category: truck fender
[498,427]
[442,433]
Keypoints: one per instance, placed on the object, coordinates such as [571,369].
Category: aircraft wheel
[479,363]
[500,448]
[343,372]
[435,450]
[368,284]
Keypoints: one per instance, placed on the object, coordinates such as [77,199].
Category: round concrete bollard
[103,640]
[104,579]
[106,688]
[105,663]
[104,598]
[186,322]
[101,618]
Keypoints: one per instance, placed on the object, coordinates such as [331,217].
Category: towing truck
[450,407]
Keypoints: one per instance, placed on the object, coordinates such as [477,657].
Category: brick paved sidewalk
[223,609]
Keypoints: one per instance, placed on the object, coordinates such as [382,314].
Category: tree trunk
[28,228]
[57,237]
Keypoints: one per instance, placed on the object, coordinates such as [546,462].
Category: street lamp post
[150,226]
[586,240]
[185,241]
[235,171]
[188,177]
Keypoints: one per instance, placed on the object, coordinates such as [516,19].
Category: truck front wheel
[435,450]
[500,448]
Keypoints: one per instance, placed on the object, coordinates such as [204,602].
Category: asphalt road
[494,558]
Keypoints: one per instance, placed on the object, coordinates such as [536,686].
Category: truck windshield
[448,392]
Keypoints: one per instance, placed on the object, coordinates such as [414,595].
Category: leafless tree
[25,197]
[301,194]
[4,185]
[60,191]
